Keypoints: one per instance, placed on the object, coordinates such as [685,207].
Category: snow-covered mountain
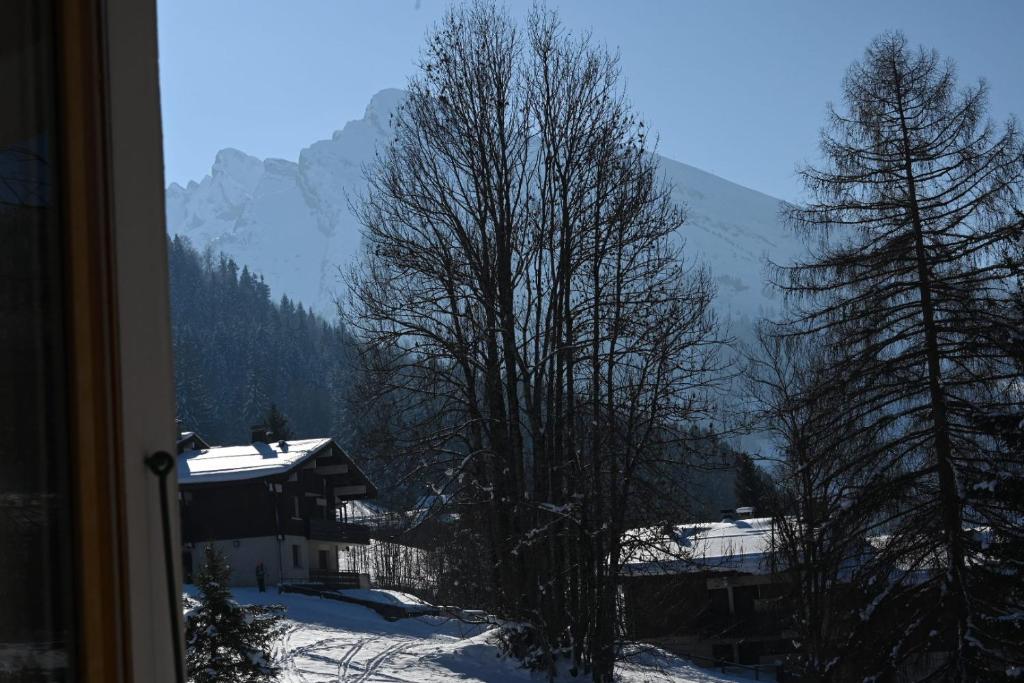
[290,220]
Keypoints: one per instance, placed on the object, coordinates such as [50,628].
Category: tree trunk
[949,498]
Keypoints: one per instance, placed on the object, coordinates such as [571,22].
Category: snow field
[326,641]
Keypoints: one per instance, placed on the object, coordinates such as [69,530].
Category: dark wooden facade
[748,619]
[720,616]
[190,441]
[301,502]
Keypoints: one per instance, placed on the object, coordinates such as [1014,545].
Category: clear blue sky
[735,87]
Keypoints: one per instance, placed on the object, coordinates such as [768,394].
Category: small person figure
[261,577]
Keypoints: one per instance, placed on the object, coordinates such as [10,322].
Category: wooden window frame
[121,379]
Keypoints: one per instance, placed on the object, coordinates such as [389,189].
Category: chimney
[260,434]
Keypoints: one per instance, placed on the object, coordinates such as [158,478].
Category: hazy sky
[735,87]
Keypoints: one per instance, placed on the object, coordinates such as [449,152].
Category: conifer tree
[235,348]
[753,486]
[227,642]
[908,225]
[277,424]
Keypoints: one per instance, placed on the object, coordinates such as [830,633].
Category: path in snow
[326,641]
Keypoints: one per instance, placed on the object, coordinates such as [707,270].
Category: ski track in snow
[346,661]
[363,660]
[377,663]
[325,641]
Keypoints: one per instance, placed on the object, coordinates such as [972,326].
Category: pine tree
[277,423]
[910,218]
[753,485]
[235,348]
[227,642]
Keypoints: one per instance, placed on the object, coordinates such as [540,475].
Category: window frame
[96,480]
[121,391]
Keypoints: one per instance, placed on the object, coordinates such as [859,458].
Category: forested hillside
[237,351]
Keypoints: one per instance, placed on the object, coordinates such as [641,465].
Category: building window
[722,653]
[186,565]
[296,556]
[719,599]
[749,652]
[296,511]
[743,598]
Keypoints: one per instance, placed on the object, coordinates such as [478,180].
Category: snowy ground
[410,603]
[333,642]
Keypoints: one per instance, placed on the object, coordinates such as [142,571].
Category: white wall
[332,555]
[242,558]
[276,557]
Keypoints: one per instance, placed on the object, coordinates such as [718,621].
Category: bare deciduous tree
[520,273]
[827,507]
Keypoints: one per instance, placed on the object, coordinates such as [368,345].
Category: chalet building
[712,591]
[709,591]
[282,503]
[190,441]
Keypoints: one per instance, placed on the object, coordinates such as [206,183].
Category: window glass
[36,568]
[722,652]
[743,598]
[719,600]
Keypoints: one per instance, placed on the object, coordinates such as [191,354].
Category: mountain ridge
[290,220]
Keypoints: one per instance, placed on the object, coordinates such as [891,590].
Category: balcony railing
[743,625]
[758,672]
[337,532]
[335,579]
[769,605]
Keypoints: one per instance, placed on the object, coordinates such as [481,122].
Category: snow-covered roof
[251,461]
[190,440]
[742,546]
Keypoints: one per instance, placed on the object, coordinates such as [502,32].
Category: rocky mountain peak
[290,220]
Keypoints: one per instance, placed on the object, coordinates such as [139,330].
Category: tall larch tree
[911,213]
